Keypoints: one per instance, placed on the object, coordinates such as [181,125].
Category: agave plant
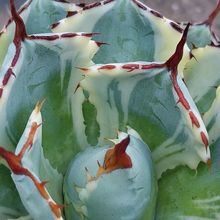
[108,111]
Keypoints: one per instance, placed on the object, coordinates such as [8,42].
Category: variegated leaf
[11,206]
[28,167]
[133,31]
[43,68]
[170,125]
[199,189]
[37,15]
[201,75]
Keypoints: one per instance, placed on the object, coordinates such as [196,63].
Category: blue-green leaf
[45,68]
[171,131]
[122,193]
[37,197]
[201,75]
[133,31]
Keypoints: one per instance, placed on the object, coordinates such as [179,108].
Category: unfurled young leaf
[123,172]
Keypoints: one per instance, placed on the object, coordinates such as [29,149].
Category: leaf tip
[116,158]
[175,59]
[20,30]
[39,105]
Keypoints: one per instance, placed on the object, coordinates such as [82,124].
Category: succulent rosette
[108,111]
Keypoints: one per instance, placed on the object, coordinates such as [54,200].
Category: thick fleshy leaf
[201,75]
[107,99]
[29,166]
[133,31]
[200,192]
[176,135]
[37,15]
[124,187]
[212,119]
[199,36]
[44,68]
[10,204]
[201,33]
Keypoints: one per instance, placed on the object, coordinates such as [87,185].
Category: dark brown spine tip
[77,87]
[20,30]
[213,15]
[194,46]
[93,5]
[81,5]
[121,147]
[99,165]
[215,87]
[140,5]
[99,44]
[107,2]
[156,13]
[176,26]
[71,13]
[175,59]
[63,1]
[191,55]
[55,25]
[69,35]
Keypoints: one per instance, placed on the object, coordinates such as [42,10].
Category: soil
[177,10]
